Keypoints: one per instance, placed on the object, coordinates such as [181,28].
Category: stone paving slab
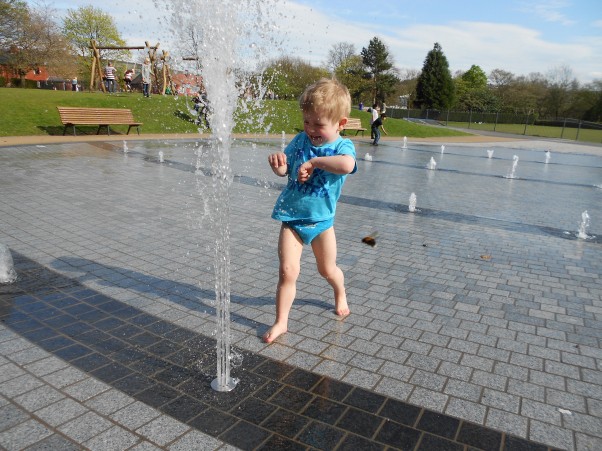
[481,308]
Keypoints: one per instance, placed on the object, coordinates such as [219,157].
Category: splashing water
[512,173]
[582,233]
[548,156]
[125,147]
[7,269]
[161,158]
[412,205]
[489,153]
[442,148]
[432,165]
[219,28]
[405,143]
[368,157]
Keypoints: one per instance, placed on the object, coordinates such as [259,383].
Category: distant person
[374,111]
[127,78]
[110,77]
[146,77]
[74,84]
[376,126]
[316,163]
[361,106]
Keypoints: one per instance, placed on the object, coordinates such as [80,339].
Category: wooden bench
[103,117]
[354,124]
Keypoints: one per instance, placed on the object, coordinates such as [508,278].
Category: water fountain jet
[7,268]
[583,226]
[512,173]
[412,204]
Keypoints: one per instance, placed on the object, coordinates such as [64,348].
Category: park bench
[354,124]
[103,117]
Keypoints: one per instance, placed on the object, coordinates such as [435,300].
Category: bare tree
[338,54]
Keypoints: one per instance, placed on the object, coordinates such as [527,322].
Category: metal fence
[524,124]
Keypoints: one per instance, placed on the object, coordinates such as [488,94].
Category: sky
[519,36]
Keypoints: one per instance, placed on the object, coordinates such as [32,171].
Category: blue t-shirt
[316,199]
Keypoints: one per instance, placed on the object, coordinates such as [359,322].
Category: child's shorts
[307,231]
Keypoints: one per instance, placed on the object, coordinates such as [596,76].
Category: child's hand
[305,171]
[277,162]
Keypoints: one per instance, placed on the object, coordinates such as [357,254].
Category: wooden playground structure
[162,76]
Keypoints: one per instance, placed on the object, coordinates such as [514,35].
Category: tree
[472,92]
[379,63]
[13,16]
[561,86]
[287,77]
[435,88]
[339,54]
[33,39]
[350,72]
[88,23]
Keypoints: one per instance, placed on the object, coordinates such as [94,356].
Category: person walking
[146,77]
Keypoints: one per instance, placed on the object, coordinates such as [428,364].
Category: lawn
[28,112]
[544,131]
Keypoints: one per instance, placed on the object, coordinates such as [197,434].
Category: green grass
[544,131]
[30,112]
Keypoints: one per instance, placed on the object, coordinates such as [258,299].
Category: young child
[317,161]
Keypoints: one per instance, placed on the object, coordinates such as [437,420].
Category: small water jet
[368,157]
[489,153]
[548,156]
[583,226]
[405,143]
[161,158]
[412,204]
[432,165]
[512,173]
[7,267]
[125,147]
[442,148]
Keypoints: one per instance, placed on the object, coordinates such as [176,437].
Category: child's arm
[278,163]
[337,164]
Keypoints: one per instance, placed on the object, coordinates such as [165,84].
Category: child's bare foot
[274,332]
[341,308]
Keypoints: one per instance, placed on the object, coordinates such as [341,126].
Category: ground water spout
[7,267]
[412,204]
[432,164]
[583,226]
[512,173]
[225,33]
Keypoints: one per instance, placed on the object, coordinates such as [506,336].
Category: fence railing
[523,124]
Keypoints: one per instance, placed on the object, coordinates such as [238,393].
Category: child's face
[320,130]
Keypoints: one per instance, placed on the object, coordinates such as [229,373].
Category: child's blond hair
[328,97]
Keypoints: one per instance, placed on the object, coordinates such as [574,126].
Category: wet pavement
[476,320]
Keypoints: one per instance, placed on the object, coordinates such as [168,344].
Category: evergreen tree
[376,58]
[435,87]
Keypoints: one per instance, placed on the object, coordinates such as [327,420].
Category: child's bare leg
[325,251]
[289,253]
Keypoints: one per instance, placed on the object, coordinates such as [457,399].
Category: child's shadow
[184,294]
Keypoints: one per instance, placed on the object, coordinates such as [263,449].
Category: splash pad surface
[108,248]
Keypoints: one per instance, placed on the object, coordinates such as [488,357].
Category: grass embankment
[30,112]
[544,131]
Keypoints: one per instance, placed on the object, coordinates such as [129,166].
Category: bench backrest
[353,123]
[95,115]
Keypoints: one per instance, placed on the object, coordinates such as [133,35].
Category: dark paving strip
[275,406]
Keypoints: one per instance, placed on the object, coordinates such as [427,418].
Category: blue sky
[521,36]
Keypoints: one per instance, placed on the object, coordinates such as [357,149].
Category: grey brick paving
[481,306]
